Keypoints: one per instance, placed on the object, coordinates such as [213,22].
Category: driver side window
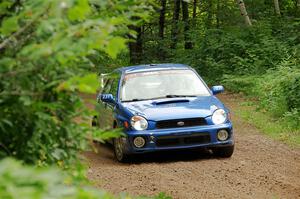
[107,86]
[111,85]
[114,87]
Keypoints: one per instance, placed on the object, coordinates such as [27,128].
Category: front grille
[180,123]
[164,141]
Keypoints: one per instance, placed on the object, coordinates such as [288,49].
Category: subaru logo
[181,123]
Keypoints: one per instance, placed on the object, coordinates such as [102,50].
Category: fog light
[222,135]
[139,142]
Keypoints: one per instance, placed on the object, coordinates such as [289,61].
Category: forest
[52,52]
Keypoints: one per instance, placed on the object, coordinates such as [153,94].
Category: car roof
[151,67]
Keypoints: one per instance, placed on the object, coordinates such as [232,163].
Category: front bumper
[178,138]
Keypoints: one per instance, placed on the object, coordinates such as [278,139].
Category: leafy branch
[13,36]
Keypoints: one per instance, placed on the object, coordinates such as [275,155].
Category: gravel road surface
[259,168]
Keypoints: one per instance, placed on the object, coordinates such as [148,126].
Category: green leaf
[7,122]
[103,135]
[115,46]
[9,25]
[26,100]
[79,11]
[4,7]
[86,84]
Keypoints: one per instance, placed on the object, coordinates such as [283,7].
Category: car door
[105,110]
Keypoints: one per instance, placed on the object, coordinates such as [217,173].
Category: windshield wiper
[134,100]
[174,96]
[166,96]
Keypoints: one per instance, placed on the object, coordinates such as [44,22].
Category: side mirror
[217,89]
[106,98]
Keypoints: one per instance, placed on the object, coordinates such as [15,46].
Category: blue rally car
[163,107]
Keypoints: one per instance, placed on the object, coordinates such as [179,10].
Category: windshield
[162,84]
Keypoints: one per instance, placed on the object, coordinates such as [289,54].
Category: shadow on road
[106,152]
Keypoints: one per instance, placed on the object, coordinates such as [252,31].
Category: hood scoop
[170,102]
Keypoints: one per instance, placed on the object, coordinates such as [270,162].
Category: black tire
[118,150]
[224,152]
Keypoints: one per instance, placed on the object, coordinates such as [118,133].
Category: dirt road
[259,168]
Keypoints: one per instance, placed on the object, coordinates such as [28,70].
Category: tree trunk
[277,8]
[136,47]
[210,14]
[162,19]
[244,12]
[174,33]
[194,13]
[218,14]
[185,18]
[194,9]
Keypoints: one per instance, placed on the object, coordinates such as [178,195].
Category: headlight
[139,123]
[219,116]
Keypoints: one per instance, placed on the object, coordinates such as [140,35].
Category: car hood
[175,108]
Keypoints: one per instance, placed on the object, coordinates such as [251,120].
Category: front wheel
[224,152]
[119,151]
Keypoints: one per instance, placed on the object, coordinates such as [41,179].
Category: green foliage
[237,51]
[86,84]
[28,182]
[277,91]
[9,25]
[18,181]
[49,53]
